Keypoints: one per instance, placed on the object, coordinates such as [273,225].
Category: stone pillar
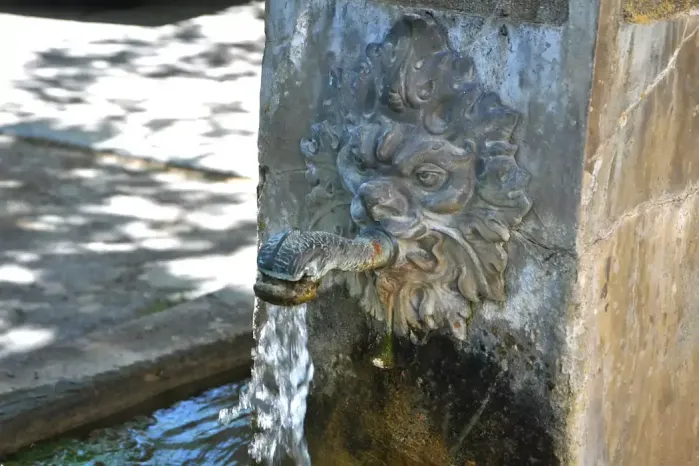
[538,162]
[634,324]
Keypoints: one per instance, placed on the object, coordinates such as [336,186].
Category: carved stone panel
[411,142]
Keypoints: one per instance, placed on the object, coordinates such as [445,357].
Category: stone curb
[67,386]
[127,159]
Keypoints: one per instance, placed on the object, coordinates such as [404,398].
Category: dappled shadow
[148,13]
[187,92]
[90,242]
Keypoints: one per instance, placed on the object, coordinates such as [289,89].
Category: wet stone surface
[442,403]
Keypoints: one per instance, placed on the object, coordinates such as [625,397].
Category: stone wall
[638,323]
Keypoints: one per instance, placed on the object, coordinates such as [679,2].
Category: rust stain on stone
[378,250]
[377,247]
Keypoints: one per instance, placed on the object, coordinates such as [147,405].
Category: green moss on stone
[163,304]
[385,359]
[378,425]
[647,11]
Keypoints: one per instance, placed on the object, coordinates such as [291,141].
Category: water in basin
[187,433]
[215,427]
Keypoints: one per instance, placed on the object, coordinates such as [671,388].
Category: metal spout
[285,293]
[291,264]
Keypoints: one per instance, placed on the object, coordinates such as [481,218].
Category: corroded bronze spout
[285,293]
[291,264]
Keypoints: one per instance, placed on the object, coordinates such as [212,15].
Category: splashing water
[277,393]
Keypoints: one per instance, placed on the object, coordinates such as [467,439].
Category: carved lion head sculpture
[411,142]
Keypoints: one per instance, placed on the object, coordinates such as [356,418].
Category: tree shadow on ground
[187,92]
[91,241]
[149,13]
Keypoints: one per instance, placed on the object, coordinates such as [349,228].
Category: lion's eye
[430,177]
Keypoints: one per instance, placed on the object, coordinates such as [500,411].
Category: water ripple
[187,434]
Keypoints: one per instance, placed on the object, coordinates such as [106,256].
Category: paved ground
[102,260]
[107,263]
[175,81]
[89,242]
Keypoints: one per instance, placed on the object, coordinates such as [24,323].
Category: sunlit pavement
[172,81]
[90,242]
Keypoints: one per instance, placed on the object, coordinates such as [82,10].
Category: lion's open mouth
[406,228]
[400,226]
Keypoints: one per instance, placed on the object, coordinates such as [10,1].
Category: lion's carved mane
[410,141]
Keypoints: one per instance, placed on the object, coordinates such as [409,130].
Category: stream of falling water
[277,392]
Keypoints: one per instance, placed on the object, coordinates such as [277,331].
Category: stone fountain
[454,192]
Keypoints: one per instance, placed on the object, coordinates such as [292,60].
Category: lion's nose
[381,199]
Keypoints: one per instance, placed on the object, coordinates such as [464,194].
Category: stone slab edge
[50,392]
[55,139]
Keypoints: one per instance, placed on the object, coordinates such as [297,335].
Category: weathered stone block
[553,12]
[635,347]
